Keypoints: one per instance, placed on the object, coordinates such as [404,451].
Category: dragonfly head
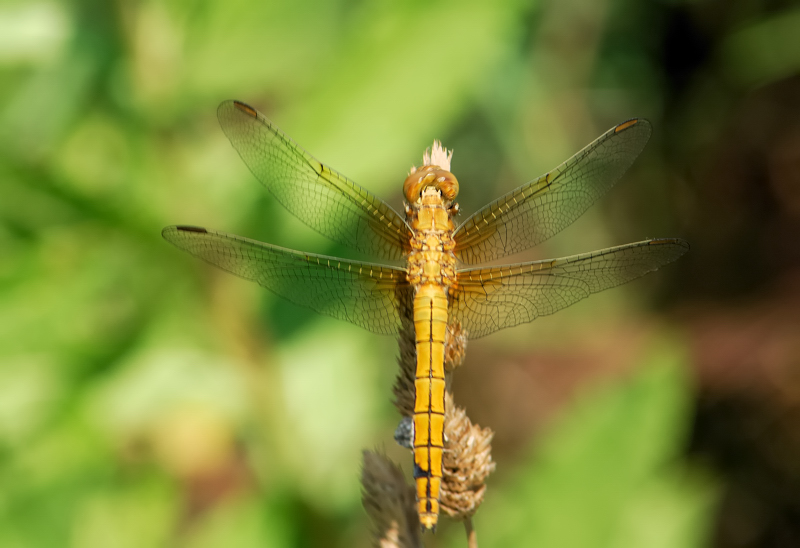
[435,173]
[430,176]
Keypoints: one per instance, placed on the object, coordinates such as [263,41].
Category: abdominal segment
[430,323]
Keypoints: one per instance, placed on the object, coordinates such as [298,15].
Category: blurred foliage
[149,400]
[594,484]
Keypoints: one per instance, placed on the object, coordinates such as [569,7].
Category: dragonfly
[433,258]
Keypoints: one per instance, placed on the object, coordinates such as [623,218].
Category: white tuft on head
[437,156]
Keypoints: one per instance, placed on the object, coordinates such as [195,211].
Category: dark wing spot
[625,125]
[671,241]
[186,228]
[247,109]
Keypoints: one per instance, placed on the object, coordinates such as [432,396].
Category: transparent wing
[489,299]
[541,208]
[361,293]
[324,199]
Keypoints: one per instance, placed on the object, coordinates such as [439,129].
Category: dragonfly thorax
[431,259]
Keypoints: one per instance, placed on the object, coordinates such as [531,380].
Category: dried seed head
[407,360]
[389,502]
[467,461]
[455,346]
[437,155]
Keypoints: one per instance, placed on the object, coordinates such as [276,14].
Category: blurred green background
[147,399]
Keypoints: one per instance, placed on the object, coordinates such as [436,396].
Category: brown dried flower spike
[467,462]
[389,502]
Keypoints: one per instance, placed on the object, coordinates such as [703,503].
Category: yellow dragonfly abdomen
[430,323]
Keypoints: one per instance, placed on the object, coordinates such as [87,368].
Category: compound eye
[448,184]
[417,181]
[442,180]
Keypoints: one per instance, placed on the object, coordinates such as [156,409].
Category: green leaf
[608,474]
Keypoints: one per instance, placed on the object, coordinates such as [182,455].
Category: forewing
[361,293]
[539,209]
[488,299]
[324,199]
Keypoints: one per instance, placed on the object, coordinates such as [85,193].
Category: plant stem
[472,536]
